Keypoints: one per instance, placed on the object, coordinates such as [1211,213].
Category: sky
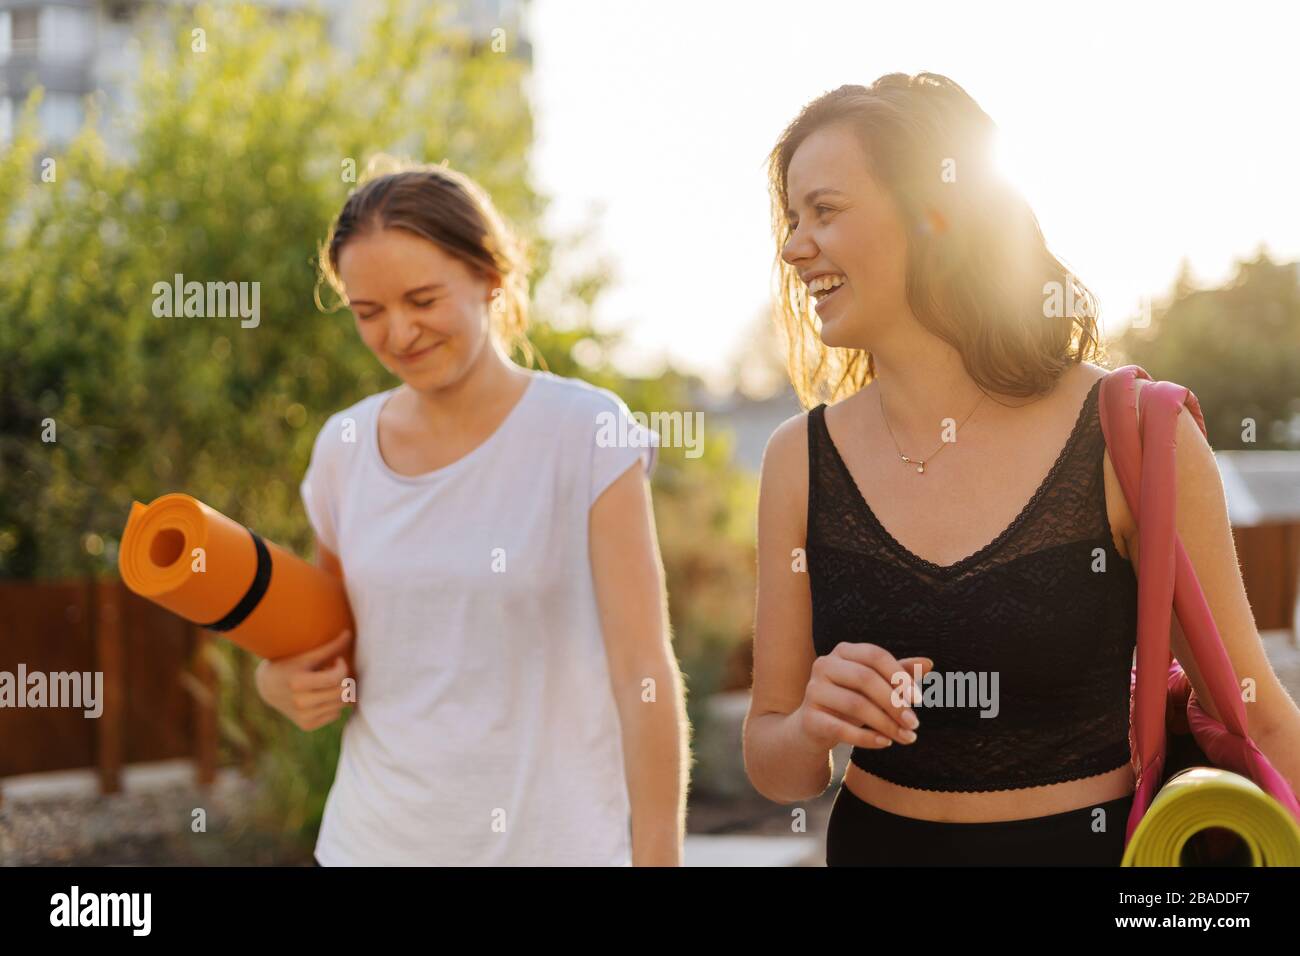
[1141,134]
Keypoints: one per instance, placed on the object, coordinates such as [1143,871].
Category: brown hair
[449,209]
[977,262]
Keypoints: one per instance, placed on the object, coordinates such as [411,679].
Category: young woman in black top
[950,525]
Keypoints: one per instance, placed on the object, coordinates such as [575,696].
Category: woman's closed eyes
[794,224]
[418,303]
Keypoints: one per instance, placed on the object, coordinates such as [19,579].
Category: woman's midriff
[954,807]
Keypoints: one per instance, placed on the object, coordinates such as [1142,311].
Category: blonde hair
[450,210]
[977,262]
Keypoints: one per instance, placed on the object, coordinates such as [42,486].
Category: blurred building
[751,421]
[72,48]
[1263,492]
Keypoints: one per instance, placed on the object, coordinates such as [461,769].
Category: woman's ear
[495,284]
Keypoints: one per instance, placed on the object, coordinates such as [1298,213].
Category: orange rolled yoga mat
[252,591]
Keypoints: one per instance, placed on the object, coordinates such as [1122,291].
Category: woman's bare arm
[782,763]
[629,580]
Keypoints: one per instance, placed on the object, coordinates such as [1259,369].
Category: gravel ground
[718,816]
[144,826]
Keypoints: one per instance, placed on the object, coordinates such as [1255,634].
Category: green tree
[1236,347]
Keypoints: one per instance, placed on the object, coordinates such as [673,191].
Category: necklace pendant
[921,468]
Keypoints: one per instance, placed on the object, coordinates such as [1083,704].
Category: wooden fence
[158,694]
[1269,556]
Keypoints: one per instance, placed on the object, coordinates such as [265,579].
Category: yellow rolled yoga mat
[251,590]
[1201,798]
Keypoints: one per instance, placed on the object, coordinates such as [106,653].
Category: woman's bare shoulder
[787,447]
[783,483]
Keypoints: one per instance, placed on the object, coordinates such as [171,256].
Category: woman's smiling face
[845,227]
[423,312]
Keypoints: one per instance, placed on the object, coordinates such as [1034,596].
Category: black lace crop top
[1034,640]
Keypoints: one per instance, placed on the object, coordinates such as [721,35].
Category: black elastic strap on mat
[256,591]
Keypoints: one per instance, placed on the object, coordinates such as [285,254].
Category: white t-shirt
[485,731]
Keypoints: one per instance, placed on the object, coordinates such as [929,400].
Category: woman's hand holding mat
[308,688]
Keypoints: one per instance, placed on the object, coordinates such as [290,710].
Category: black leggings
[860,834]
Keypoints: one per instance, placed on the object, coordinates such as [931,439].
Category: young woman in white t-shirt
[517,698]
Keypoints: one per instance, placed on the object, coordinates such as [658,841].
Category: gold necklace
[920,463]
